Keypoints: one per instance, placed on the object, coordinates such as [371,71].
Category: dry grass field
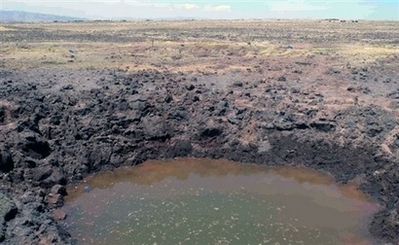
[211,46]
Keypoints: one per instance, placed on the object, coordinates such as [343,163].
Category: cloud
[218,8]
[295,5]
[186,6]
[162,5]
[347,9]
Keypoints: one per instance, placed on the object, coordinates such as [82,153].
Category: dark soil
[57,127]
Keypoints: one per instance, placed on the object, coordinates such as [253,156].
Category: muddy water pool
[202,201]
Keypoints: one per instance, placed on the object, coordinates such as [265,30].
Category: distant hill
[21,16]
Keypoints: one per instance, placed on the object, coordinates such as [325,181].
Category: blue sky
[291,9]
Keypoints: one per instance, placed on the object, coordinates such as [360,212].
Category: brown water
[201,201]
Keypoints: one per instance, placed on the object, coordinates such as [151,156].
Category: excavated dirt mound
[57,127]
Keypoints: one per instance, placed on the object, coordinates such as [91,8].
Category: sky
[217,9]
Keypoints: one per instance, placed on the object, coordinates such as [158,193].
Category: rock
[238,84]
[374,131]
[42,173]
[196,98]
[59,214]
[155,128]
[58,189]
[66,87]
[2,232]
[283,126]
[87,189]
[393,95]
[34,147]
[56,177]
[181,148]
[54,200]
[394,105]
[142,106]
[282,79]
[8,209]
[168,98]
[2,114]
[221,108]
[385,149]
[6,162]
[55,120]
[211,132]
[98,155]
[265,125]
[28,197]
[190,87]
[323,126]
[386,222]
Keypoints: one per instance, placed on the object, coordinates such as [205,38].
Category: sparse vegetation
[121,44]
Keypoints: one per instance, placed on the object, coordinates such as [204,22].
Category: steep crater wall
[58,127]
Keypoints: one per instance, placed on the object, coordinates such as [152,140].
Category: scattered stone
[323,126]
[394,105]
[168,98]
[394,95]
[54,200]
[87,189]
[155,128]
[282,79]
[6,162]
[67,87]
[211,132]
[190,87]
[385,149]
[59,214]
[36,148]
[8,209]
[58,189]
[351,89]
[238,84]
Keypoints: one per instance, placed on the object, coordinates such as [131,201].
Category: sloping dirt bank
[56,127]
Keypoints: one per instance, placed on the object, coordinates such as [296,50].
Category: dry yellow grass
[188,45]
[2,28]
[192,55]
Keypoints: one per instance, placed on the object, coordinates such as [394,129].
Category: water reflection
[216,202]
[154,171]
